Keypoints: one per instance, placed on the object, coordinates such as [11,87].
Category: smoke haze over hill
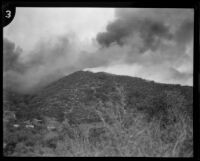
[154,44]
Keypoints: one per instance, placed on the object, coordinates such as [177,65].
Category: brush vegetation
[99,114]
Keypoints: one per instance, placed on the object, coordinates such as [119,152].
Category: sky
[42,45]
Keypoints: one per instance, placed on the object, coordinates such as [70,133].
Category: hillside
[105,115]
[85,90]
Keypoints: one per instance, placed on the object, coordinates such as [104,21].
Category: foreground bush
[159,126]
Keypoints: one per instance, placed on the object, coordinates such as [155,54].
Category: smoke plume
[151,38]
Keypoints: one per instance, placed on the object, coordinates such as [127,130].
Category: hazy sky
[44,44]
[33,24]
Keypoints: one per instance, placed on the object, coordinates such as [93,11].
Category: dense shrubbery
[130,134]
[131,118]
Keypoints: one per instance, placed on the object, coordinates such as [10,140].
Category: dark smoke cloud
[184,33]
[152,25]
[11,56]
[152,32]
[153,39]
[46,63]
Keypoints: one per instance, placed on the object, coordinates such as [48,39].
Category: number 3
[8,12]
